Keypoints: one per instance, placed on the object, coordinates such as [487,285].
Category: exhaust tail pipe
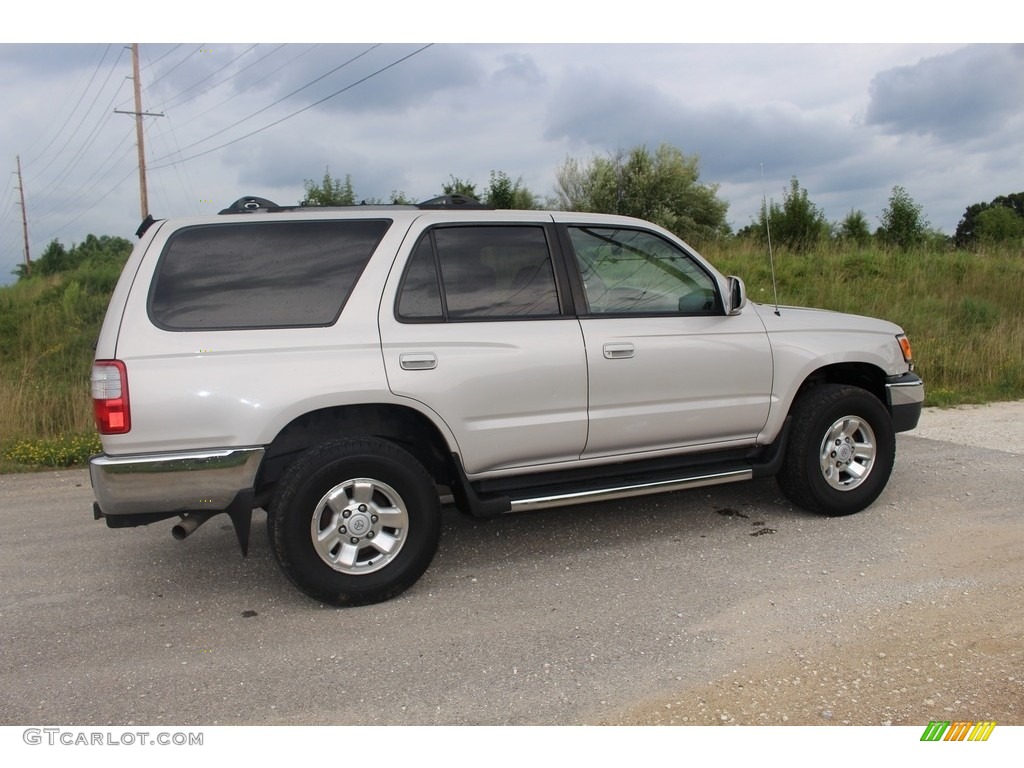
[189,522]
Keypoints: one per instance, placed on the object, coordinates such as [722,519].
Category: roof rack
[253,204]
[454,201]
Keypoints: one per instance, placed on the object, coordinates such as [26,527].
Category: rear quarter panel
[194,390]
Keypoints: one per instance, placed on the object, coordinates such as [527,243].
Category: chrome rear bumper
[164,484]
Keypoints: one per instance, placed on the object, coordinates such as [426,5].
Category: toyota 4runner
[344,369]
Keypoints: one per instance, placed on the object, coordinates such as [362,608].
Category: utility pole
[139,114]
[24,220]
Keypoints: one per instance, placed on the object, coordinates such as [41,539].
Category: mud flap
[240,512]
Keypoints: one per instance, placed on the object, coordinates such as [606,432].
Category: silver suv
[344,369]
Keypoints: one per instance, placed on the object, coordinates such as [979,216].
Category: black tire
[354,521]
[840,452]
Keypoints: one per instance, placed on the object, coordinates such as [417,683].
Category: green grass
[964,313]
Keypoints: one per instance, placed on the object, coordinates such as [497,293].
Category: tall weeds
[48,331]
[964,313]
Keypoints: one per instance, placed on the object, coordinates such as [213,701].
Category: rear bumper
[158,486]
[905,397]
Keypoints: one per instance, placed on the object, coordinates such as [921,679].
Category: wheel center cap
[844,454]
[359,524]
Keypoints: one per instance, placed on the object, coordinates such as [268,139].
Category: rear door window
[280,274]
[487,272]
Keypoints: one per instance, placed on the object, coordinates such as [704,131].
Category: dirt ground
[959,656]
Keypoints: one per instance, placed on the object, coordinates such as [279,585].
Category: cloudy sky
[849,119]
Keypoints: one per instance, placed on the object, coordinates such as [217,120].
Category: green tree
[998,224]
[330,191]
[102,248]
[854,228]
[400,198]
[95,251]
[797,223]
[457,186]
[503,193]
[661,186]
[395,198]
[55,259]
[903,224]
[966,229]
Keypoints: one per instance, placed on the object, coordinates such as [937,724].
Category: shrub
[65,451]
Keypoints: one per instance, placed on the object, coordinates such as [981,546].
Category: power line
[105,116]
[188,56]
[120,151]
[304,109]
[71,114]
[179,169]
[274,104]
[161,58]
[97,201]
[125,148]
[253,84]
[164,104]
[7,192]
[68,118]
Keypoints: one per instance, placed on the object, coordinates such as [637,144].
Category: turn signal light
[905,346]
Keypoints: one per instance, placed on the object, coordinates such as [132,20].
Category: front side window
[260,274]
[628,271]
[479,272]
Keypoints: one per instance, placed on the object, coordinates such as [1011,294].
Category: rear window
[261,274]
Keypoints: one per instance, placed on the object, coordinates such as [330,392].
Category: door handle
[420,362]
[619,350]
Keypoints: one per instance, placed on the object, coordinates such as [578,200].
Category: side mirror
[736,295]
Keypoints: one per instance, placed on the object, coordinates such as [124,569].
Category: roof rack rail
[253,204]
[454,201]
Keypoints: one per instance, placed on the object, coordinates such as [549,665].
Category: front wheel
[354,521]
[840,451]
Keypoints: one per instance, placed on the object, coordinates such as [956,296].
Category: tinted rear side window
[260,274]
[487,272]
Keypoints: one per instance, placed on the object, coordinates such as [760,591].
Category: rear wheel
[354,521]
[840,451]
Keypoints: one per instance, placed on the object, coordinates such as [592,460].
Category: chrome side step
[569,498]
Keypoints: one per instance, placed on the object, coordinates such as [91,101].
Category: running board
[569,498]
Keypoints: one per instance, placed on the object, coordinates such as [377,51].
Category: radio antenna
[768,229]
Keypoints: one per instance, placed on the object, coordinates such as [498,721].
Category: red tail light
[110,397]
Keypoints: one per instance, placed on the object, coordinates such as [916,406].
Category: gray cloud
[403,86]
[25,61]
[732,140]
[848,121]
[954,97]
[519,68]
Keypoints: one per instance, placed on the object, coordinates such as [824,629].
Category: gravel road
[952,649]
[723,605]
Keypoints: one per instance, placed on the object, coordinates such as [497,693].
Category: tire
[354,521]
[840,452]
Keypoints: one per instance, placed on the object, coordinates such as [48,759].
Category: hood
[806,318]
